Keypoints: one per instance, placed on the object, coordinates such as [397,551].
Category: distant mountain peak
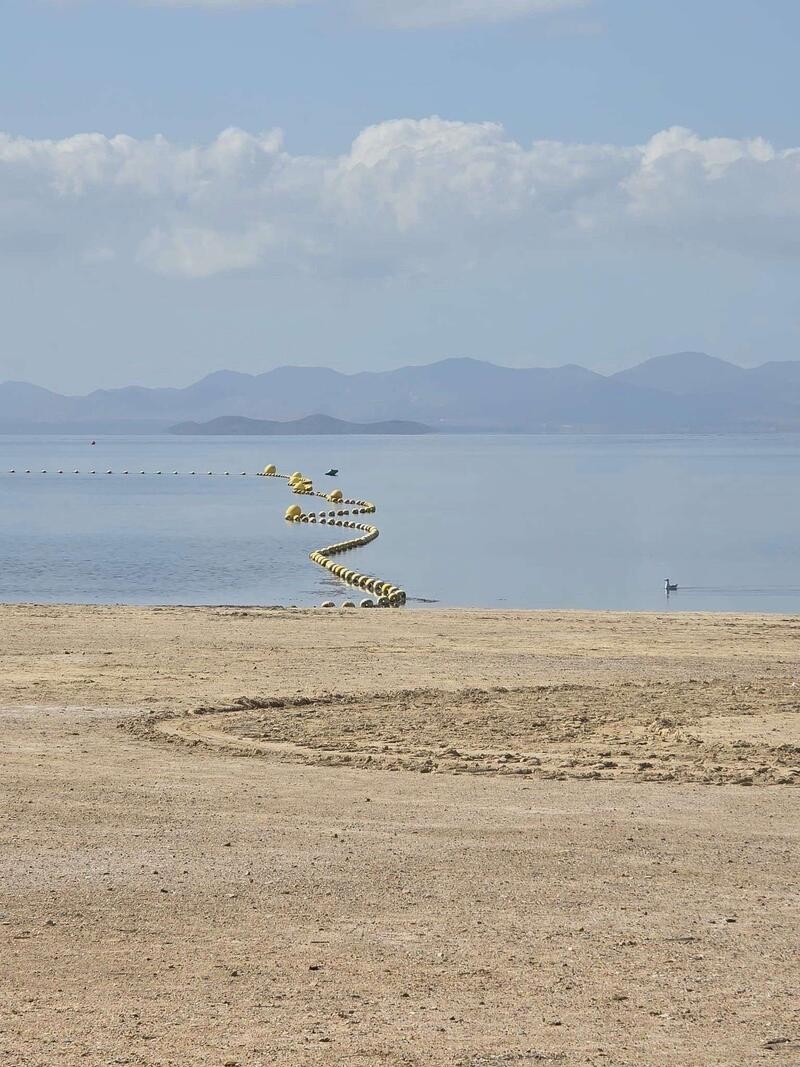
[225,375]
[683,373]
[220,379]
[25,387]
[686,360]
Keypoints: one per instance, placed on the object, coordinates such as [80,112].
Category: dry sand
[254,837]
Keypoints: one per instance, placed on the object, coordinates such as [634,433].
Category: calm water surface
[494,521]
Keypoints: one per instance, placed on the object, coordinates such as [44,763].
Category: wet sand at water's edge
[254,837]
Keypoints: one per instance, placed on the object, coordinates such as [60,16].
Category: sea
[479,521]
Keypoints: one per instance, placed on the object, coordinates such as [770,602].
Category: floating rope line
[388,595]
[207,474]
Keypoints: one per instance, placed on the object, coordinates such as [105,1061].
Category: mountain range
[686,392]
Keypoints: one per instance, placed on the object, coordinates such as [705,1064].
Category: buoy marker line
[388,595]
[209,474]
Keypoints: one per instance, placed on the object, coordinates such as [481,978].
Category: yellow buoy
[270,469]
[335,496]
[293,511]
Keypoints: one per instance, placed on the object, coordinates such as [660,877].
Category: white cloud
[405,14]
[409,195]
[413,14]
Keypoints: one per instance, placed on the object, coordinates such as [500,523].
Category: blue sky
[449,229]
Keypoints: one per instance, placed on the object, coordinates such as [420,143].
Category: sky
[190,185]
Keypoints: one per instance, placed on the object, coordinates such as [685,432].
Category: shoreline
[411,606]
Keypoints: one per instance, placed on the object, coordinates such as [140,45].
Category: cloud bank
[409,196]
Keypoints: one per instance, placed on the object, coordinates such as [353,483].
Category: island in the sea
[231,425]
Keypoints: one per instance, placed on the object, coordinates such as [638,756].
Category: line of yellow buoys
[388,595]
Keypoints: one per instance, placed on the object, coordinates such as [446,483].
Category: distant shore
[311,426]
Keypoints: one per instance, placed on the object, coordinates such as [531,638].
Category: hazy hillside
[684,392]
[684,374]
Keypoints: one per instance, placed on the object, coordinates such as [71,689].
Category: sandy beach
[249,837]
